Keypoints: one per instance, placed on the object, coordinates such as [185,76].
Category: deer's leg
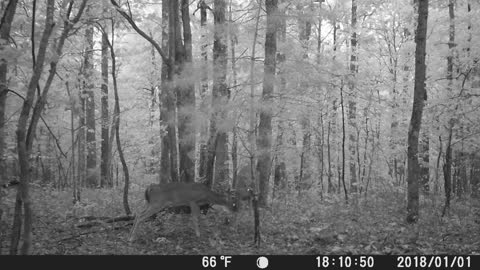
[195,216]
[135,224]
[140,217]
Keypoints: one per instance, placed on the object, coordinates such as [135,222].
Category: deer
[159,197]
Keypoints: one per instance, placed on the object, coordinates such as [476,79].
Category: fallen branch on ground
[101,220]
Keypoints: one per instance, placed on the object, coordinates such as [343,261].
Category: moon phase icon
[262,262]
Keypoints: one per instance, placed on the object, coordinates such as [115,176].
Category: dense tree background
[355,123]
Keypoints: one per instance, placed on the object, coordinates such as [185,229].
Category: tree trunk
[425,156]
[22,145]
[462,172]
[234,157]
[447,171]
[280,166]
[169,148]
[234,150]
[5,28]
[321,140]
[166,101]
[304,175]
[279,179]
[319,36]
[221,94]
[447,166]
[217,145]
[330,187]
[352,104]
[252,112]
[90,109]
[342,177]
[264,139]
[320,144]
[105,178]
[475,175]
[185,100]
[365,147]
[399,170]
[153,81]
[17,225]
[116,124]
[81,141]
[204,88]
[332,127]
[419,96]
[73,111]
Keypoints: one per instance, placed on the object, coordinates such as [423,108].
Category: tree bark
[73,112]
[352,104]
[342,176]
[264,139]
[153,81]
[174,41]
[332,128]
[447,171]
[280,166]
[424,146]
[81,169]
[217,144]
[330,187]
[321,140]
[16,226]
[5,27]
[105,178]
[475,175]
[304,175]
[90,120]
[419,96]
[165,103]
[203,89]
[221,94]
[305,156]
[252,112]
[185,100]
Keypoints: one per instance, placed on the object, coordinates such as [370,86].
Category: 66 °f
[211,261]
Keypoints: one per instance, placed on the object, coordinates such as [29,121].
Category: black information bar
[245,262]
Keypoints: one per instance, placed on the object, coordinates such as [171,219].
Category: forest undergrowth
[297,223]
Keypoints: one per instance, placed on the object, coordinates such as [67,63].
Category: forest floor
[305,224]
